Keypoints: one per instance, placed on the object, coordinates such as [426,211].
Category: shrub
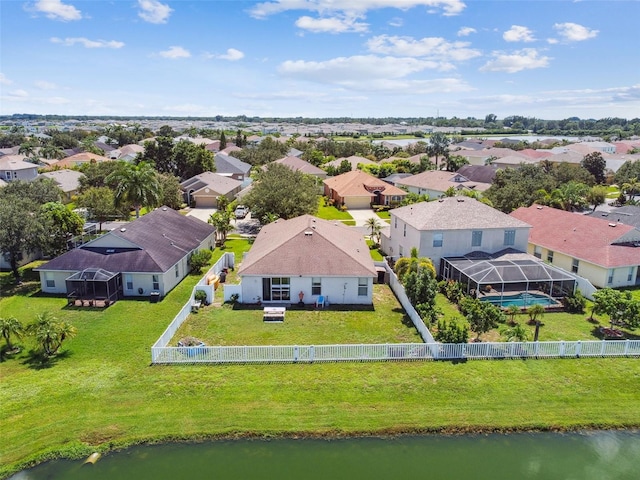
[200,296]
[452,331]
[199,260]
[575,303]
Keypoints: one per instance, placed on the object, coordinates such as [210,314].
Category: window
[574,265]
[51,283]
[630,274]
[404,230]
[316,286]
[509,237]
[7,175]
[610,277]
[128,281]
[177,270]
[363,287]
[395,222]
[400,251]
[537,251]
[437,239]
[156,283]
[277,289]
[476,238]
[550,256]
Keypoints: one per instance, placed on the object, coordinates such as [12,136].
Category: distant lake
[529,138]
[607,455]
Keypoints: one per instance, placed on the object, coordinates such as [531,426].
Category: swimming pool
[522,299]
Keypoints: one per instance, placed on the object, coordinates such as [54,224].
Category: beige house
[436,182]
[13,167]
[204,189]
[359,190]
[67,180]
[604,251]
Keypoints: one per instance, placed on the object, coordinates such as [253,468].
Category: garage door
[355,203]
[206,202]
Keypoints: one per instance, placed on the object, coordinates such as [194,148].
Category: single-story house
[354,161]
[14,167]
[358,190]
[231,166]
[149,254]
[67,180]
[452,227]
[604,251]
[204,189]
[436,182]
[309,256]
[81,159]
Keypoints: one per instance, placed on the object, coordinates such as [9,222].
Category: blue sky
[321,58]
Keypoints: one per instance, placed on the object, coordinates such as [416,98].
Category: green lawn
[329,212]
[386,323]
[384,214]
[101,392]
[376,254]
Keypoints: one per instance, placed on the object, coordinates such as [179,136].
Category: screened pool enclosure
[508,274]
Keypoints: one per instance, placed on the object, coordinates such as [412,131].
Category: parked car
[241,211]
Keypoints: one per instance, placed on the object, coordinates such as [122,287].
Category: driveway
[201,213]
[361,216]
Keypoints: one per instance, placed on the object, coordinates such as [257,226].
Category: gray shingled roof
[308,246]
[455,213]
[156,242]
[229,164]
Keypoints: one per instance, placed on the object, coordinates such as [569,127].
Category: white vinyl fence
[226,261]
[391,352]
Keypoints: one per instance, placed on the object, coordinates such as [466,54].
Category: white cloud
[261,10]
[85,42]
[232,55]
[396,22]
[19,93]
[526,59]
[431,47]
[552,41]
[518,33]
[175,52]
[346,69]
[331,25]
[153,11]
[572,32]
[466,31]
[56,10]
[44,85]
[4,80]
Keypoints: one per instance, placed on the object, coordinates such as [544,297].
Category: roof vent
[308,233]
[164,209]
[539,207]
[441,200]
[123,229]
[460,200]
[110,250]
[612,224]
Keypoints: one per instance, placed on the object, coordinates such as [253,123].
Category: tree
[60,225]
[41,190]
[280,191]
[620,306]
[374,227]
[160,154]
[170,192]
[438,146]
[222,221]
[96,174]
[191,160]
[50,333]
[596,165]
[199,260]
[52,152]
[223,140]
[535,312]
[404,265]
[512,311]
[631,188]
[596,196]
[483,316]
[629,170]
[99,201]
[455,162]
[137,185]
[518,187]
[10,326]
[21,232]
[515,333]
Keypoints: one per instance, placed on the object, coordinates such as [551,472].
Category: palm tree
[512,311]
[536,312]
[10,326]
[516,333]
[50,333]
[374,227]
[137,185]
[438,146]
[631,188]
[52,152]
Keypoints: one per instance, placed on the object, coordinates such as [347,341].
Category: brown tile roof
[308,246]
[354,160]
[84,157]
[455,213]
[299,165]
[357,184]
[580,236]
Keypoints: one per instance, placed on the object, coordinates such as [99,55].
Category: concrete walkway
[201,213]
[361,216]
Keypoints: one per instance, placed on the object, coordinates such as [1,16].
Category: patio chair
[320,302]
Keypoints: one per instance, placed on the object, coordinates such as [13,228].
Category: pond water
[602,455]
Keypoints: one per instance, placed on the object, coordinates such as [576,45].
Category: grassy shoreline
[101,393]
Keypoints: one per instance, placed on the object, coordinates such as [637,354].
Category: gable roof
[15,163]
[228,164]
[299,165]
[308,246]
[455,213]
[441,181]
[478,173]
[68,180]
[154,242]
[581,236]
[629,215]
[354,160]
[79,158]
[218,183]
[357,183]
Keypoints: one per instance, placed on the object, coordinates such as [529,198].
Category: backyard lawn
[101,392]
[329,212]
[386,323]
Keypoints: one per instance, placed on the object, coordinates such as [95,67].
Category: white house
[306,257]
[452,227]
[13,167]
[149,254]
